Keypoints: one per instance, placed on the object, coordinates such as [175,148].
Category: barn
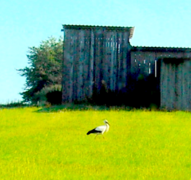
[101,66]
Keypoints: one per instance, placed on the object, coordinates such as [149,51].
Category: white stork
[100,129]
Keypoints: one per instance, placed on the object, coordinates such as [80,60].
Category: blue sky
[26,23]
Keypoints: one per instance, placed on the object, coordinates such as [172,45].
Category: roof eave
[118,28]
[161,49]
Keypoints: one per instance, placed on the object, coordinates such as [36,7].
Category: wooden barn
[101,66]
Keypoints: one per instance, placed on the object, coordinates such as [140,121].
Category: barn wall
[145,62]
[170,82]
[176,84]
[93,58]
[99,57]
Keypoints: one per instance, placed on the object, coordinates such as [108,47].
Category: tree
[44,71]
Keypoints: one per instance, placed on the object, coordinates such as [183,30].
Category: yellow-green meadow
[140,144]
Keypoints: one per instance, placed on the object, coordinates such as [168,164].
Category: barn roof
[161,49]
[117,28]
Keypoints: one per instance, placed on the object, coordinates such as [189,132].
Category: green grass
[45,145]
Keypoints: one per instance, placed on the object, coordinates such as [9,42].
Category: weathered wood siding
[174,78]
[176,84]
[97,56]
[145,62]
[94,56]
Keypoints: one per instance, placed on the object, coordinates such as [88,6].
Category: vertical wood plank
[172,86]
[142,61]
[166,85]
[114,60]
[176,93]
[97,61]
[179,89]
[119,61]
[91,67]
[128,60]
[108,57]
[68,66]
[170,89]
[184,87]
[85,88]
[125,51]
[189,84]
[163,84]
[186,79]
[80,67]
[151,59]
[76,61]
[147,63]
[133,62]
[105,60]
[112,64]
[71,65]
[109,60]
[169,101]
[67,38]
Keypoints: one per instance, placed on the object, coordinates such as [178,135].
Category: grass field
[45,145]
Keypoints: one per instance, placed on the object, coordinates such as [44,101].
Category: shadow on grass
[80,107]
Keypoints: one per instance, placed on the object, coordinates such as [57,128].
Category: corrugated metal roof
[117,28]
[161,49]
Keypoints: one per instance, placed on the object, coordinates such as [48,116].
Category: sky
[24,24]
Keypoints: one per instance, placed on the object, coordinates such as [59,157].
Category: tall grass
[36,144]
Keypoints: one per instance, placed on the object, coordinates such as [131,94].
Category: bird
[100,130]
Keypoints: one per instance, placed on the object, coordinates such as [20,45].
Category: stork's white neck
[107,124]
[107,127]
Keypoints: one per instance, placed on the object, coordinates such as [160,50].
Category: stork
[100,130]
